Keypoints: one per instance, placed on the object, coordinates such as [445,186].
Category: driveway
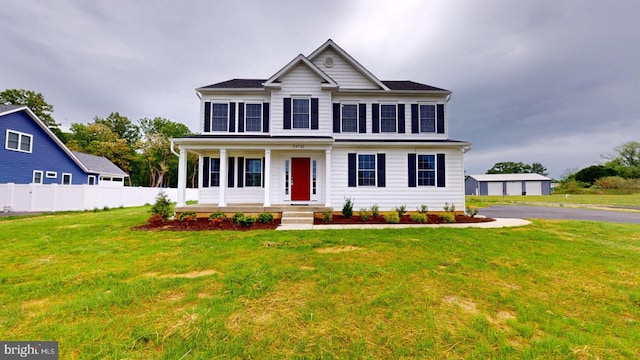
[560,213]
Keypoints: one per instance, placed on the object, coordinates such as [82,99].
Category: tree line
[141,149]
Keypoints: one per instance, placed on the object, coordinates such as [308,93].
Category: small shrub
[448,217]
[106,208]
[392,217]
[246,221]
[375,210]
[155,220]
[401,210]
[423,209]
[162,206]
[187,216]
[449,207]
[365,214]
[419,218]
[347,208]
[265,217]
[327,216]
[236,217]
[472,211]
[217,215]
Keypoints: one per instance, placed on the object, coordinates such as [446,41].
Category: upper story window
[18,141]
[349,118]
[219,116]
[388,118]
[427,118]
[301,111]
[253,117]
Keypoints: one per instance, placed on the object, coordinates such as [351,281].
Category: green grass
[553,289]
[630,200]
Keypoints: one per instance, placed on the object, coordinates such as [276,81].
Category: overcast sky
[556,82]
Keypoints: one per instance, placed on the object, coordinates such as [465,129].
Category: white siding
[343,73]
[301,81]
[397,192]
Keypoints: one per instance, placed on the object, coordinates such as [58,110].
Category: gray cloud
[544,81]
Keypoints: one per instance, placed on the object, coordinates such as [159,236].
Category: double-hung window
[301,113]
[219,116]
[253,172]
[427,118]
[253,117]
[214,179]
[366,170]
[388,118]
[426,170]
[349,118]
[66,179]
[18,141]
[37,177]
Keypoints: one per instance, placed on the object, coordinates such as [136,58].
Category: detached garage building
[507,184]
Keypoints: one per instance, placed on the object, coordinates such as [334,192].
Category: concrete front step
[297,218]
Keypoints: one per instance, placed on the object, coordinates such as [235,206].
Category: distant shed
[507,184]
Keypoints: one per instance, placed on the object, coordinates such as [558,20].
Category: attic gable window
[219,117]
[18,141]
[388,118]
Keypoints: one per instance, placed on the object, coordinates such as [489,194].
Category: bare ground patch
[189,275]
[337,249]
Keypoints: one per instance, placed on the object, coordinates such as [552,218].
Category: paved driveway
[561,213]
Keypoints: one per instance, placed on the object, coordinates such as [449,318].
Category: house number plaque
[298,146]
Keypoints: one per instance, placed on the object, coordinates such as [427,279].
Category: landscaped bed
[405,219]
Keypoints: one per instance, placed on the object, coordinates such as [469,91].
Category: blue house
[31,153]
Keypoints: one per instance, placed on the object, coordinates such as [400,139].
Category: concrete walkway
[499,223]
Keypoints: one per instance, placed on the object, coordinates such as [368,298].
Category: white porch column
[327,178]
[222,192]
[267,177]
[182,177]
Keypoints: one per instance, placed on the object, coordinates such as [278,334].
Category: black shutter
[232,117]
[336,118]
[440,173]
[240,117]
[401,125]
[411,164]
[262,168]
[362,115]
[265,117]
[381,170]
[415,125]
[314,113]
[205,171]
[207,116]
[440,122]
[230,172]
[240,171]
[352,169]
[286,121]
[375,115]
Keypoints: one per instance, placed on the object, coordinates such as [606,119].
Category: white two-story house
[322,129]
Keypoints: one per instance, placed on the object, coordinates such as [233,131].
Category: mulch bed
[406,219]
[205,224]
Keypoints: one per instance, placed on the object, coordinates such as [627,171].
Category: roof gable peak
[273,81]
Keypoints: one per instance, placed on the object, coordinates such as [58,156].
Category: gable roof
[99,164]
[7,108]
[509,177]
[351,61]
[300,59]
[328,82]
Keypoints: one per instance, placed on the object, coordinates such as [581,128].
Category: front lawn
[553,289]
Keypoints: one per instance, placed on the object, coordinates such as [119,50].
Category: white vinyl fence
[37,197]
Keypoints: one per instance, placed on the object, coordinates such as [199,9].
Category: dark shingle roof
[409,85]
[4,108]
[99,164]
[237,84]
[257,84]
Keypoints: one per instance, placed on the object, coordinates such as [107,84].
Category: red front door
[300,175]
